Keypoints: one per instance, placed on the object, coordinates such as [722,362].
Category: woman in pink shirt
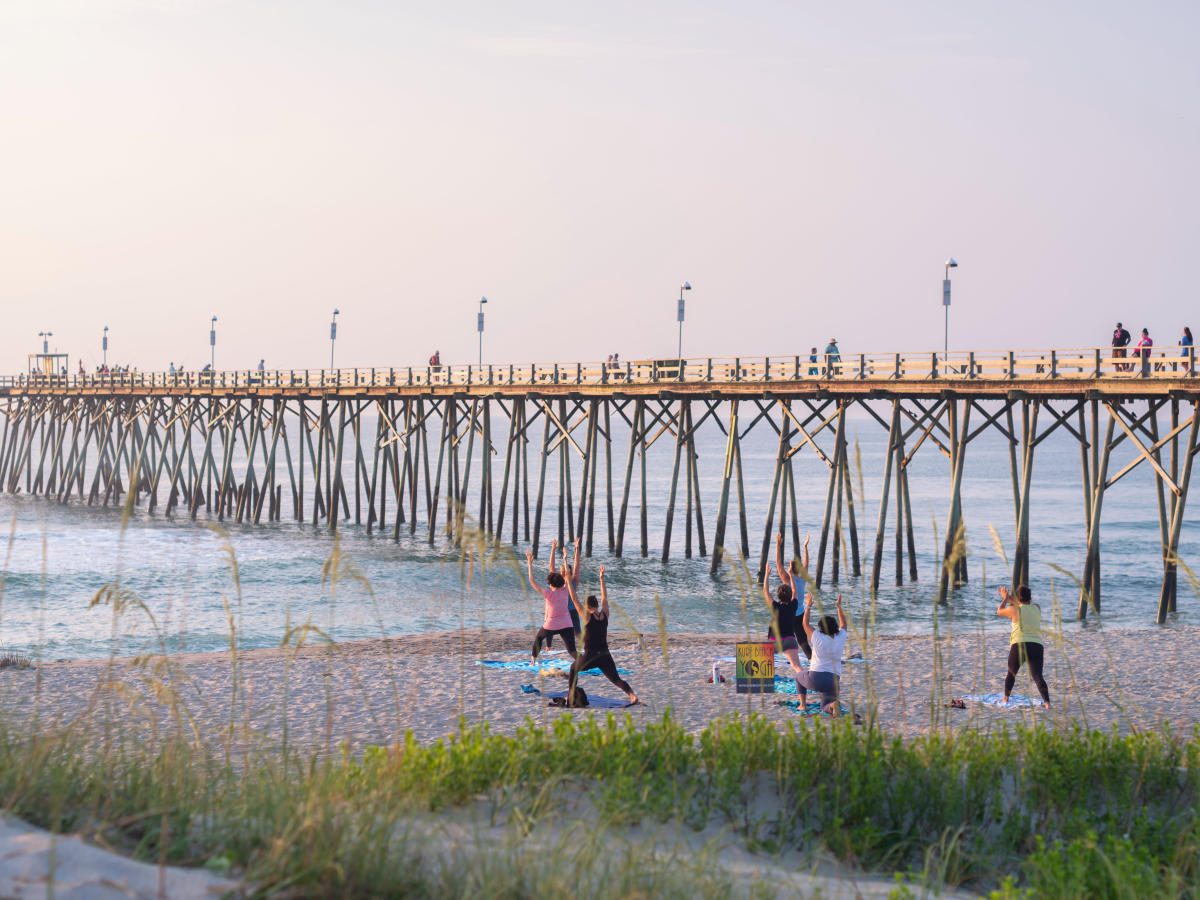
[1143,349]
[557,619]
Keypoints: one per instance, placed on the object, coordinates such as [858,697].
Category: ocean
[175,579]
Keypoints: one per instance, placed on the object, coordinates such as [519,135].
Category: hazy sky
[806,166]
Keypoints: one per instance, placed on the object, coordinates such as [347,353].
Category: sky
[806,167]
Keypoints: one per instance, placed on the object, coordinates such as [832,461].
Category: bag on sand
[577,699]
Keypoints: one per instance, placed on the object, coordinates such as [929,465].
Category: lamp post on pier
[104,345]
[679,315]
[333,335]
[479,328]
[950,264]
[212,343]
[45,336]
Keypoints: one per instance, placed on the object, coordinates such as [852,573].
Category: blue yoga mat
[547,667]
[593,700]
[996,701]
[812,708]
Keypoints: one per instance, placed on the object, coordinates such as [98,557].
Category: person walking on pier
[813,368]
[1025,643]
[596,654]
[833,356]
[1120,340]
[825,669]
[556,620]
[1185,348]
[1143,350]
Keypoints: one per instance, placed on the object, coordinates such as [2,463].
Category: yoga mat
[996,701]
[549,667]
[593,700]
[813,708]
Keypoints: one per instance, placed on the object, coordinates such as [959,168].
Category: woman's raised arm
[529,569]
[575,600]
[805,622]
[1006,607]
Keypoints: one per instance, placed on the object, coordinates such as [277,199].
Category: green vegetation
[551,812]
[1065,814]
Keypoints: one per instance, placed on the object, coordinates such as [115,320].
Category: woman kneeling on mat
[828,642]
[557,619]
[1025,640]
[595,653]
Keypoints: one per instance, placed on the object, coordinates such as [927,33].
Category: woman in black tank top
[784,607]
[595,653]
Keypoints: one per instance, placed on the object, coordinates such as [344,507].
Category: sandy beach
[370,692]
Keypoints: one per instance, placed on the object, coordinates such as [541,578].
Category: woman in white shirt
[828,641]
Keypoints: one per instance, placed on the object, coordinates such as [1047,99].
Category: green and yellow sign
[755,667]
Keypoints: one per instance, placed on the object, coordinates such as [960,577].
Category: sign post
[755,667]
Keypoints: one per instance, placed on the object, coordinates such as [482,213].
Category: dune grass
[1065,813]
[1020,812]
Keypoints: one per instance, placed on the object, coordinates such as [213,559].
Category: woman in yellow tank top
[1025,640]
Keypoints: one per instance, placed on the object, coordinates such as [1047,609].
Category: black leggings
[543,637]
[1033,654]
[596,659]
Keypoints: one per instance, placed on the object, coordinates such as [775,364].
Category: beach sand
[371,692]
[357,694]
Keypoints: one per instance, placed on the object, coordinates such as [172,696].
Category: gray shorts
[823,683]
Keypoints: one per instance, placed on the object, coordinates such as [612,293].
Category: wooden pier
[396,448]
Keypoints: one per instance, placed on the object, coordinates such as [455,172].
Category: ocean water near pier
[57,557]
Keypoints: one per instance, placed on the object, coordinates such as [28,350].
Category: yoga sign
[755,667]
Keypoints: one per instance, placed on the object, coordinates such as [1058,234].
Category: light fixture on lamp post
[45,336]
[951,263]
[479,328]
[104,345]
[333,334]
[212,343]
[683,287]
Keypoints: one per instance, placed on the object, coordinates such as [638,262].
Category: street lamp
[212,343]
[104,345]
[333,335]
[951,263]
[683,287]
[479,328]
[45,336]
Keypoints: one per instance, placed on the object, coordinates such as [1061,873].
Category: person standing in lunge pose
[595,653]
[571,573]
[1025,640]
[825,670]
[556,619]
[784,629]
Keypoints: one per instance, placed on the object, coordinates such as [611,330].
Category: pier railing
[1085,363]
